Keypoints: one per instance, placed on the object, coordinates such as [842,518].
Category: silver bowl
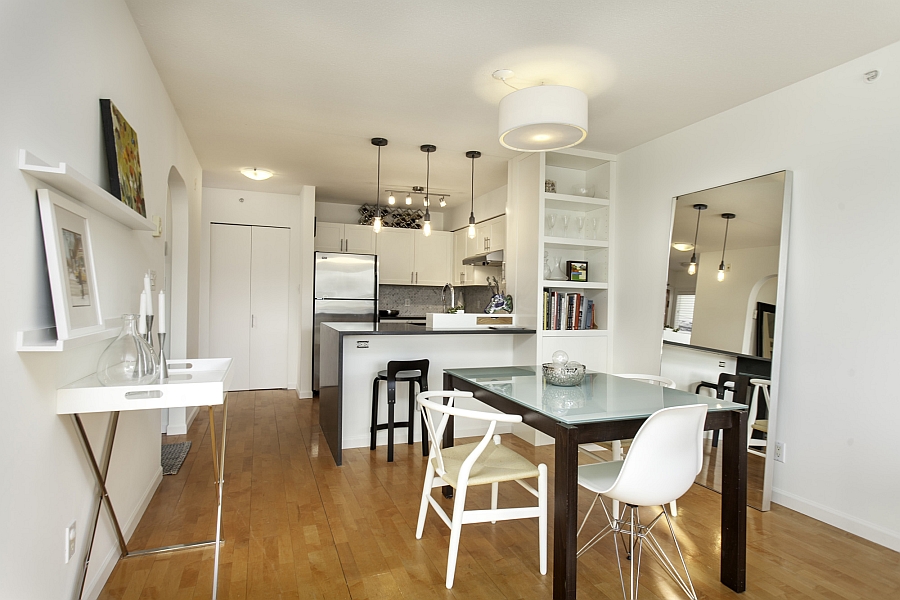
[567,376]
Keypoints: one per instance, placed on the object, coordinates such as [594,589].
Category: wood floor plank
[298,527]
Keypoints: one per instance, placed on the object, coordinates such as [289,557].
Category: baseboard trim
[847,522]
[93,588]
[304,394]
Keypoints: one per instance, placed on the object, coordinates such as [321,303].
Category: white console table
[191,382]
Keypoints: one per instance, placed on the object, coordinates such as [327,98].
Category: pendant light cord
[472,213]
[697,230]
[725,241]
[427,179]
[378,186]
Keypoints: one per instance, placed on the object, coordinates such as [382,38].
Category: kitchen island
[352,354]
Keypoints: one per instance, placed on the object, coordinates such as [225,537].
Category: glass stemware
[579,225]
[565,225]
[551,220]
[594,223]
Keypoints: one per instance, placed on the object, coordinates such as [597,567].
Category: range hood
[487,259]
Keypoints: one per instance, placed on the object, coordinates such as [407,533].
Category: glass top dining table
[604,408]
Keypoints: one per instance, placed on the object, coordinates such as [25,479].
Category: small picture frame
[70,264]
[576,270]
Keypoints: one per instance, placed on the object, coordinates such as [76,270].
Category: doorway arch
[749,329]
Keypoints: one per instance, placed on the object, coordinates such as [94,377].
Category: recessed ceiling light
[256,174]
[683,247]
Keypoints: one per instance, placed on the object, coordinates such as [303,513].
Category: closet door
[229,299]
[269,273]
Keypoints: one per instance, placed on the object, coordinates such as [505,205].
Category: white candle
[149,293]
[161,314]
[142,317]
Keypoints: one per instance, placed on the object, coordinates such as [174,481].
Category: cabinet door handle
[252,320]
[411,275]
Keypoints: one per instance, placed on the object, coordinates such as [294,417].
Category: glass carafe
[129,360]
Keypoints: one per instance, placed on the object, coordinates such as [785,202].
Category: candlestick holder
[163,367]
[149,335]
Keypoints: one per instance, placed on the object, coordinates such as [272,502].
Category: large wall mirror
[724,309]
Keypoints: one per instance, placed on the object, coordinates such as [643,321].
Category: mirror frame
[780,299]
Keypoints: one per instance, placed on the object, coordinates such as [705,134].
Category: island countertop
[415,329]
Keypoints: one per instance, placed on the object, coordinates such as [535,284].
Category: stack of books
[567,311]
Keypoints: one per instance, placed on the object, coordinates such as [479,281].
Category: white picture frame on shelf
[70,264]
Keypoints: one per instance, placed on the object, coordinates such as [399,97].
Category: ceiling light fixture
[427,149]
[543,117]
[443,202]
[692,269]
[256,174]
[473,154]
[682,247]
[391,199]
[408,198]
[728,217]
[376,225]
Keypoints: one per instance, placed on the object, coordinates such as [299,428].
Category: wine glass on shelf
[594,223]
[551,222]
[565,225]
[579,225]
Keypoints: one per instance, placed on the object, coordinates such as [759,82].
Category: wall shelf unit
[44,340]
[69,181]
[574,285]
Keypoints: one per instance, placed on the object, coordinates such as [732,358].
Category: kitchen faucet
[444,296]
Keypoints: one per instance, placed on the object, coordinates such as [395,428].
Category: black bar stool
[412,372]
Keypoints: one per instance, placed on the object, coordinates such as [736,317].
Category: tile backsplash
[423,300]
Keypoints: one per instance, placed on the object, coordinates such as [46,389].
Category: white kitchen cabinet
[490,235]
[407,257]
[248,302]
[349,238]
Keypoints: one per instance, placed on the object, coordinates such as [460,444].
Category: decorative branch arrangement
[404,218]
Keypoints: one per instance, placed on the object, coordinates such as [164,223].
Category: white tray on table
[191,382]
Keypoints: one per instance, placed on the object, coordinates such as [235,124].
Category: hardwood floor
[296,526]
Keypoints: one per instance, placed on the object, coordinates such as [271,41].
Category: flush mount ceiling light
[728,217]
[683,247]
[376,225]
[256,174]
[427,149]
[543,117]
[692,269]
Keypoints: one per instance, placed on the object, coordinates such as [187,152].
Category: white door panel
[229,299]
[269,275]
[329,237]
[434,258]
[395,255]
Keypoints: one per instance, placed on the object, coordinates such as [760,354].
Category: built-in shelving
[574,243]
[44,340]
[574,332]
[576,203]
[69,181]
[575,285]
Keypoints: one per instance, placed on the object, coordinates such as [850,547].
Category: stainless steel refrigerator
[346,289]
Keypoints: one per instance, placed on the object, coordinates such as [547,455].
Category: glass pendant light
[692,269]
[728,217]
[376,225]
[391,199]
[427,149]
[473,154]
[408,198]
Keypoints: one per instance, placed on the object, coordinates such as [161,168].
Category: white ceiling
[757,207]
[300,87]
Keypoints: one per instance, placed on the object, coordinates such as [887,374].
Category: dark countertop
[402,318]
[413,329]
[715,351]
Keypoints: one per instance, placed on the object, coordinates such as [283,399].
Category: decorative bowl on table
[567,375]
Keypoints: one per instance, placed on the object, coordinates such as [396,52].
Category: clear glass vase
[129,360]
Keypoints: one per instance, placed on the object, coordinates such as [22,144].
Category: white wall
[489,205]
[841,138]
[282,210]
[720,307]
[60,58]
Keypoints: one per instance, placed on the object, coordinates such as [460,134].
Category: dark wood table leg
[565,513]
[734,503]
[447,490]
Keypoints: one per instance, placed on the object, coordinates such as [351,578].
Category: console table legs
[101,470]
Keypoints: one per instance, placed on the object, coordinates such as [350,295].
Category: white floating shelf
[44,340]
[576,243]
[575,285]
[572,202]
[66,179]
[574,332]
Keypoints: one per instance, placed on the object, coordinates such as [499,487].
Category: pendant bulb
[391,199]
[426,228]
[376,226]
[721,275]
[692,269]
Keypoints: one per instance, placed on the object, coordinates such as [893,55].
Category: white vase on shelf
[556,274]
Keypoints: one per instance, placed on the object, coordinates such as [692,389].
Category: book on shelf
[567,311]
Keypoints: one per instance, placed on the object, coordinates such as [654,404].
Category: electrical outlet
[779,451]
[406,302]
[721,364]
[70,541]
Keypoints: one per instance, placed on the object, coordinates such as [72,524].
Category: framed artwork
[576,270]
[70,263]
[122,158]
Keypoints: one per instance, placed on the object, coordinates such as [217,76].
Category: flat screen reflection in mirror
[724,317]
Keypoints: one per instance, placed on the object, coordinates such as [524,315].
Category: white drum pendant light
[544,117]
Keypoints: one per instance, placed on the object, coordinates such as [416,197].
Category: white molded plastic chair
[476,464]
[754,424]
[617,444]
[665,457]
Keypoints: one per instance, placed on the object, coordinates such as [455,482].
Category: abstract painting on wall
[122,158]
